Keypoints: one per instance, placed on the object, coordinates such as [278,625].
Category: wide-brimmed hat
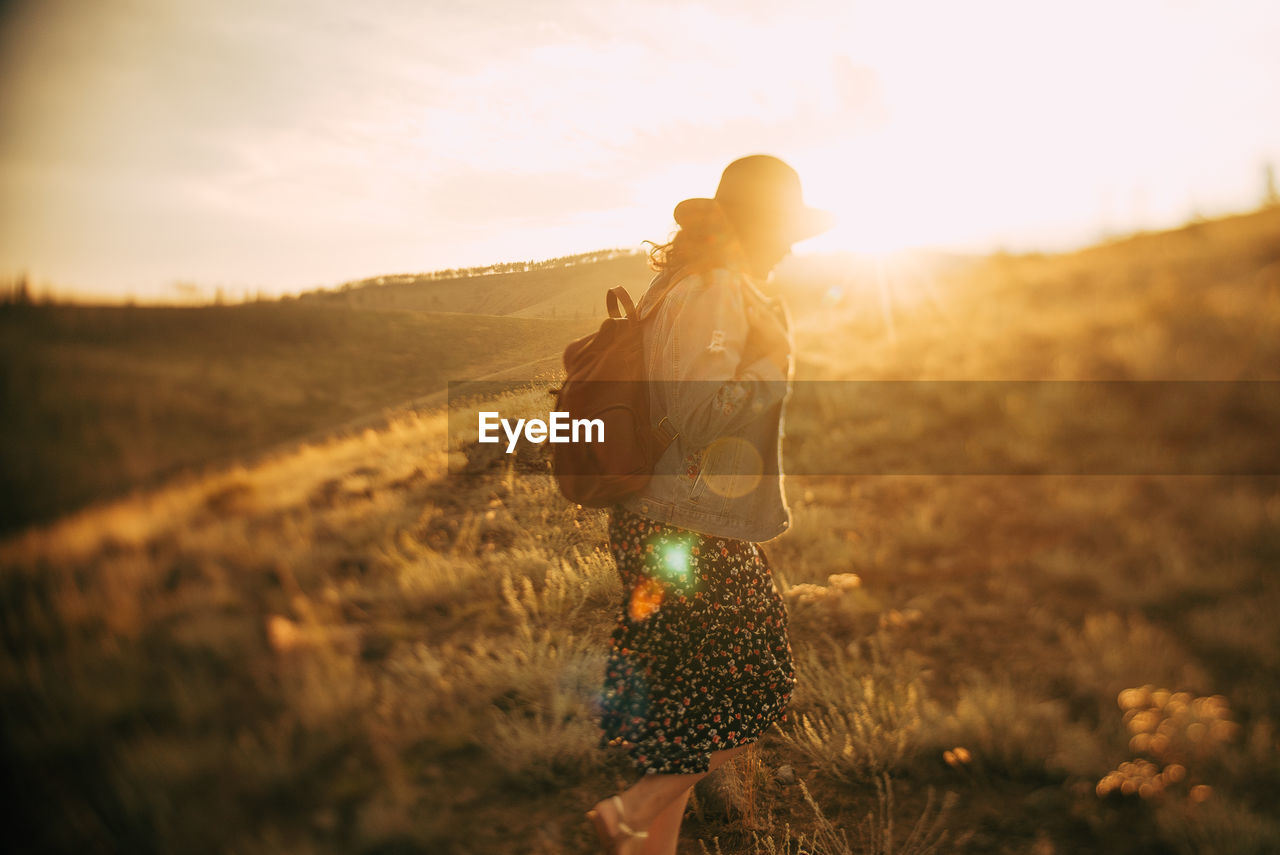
[757,193]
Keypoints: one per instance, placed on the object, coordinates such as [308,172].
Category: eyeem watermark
[559,427]
[951,427]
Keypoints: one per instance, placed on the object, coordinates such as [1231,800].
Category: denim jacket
[723,473]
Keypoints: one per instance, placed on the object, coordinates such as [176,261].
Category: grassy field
[97,400]
[346,648]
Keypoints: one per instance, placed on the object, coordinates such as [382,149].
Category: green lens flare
[671,560]
[676,562]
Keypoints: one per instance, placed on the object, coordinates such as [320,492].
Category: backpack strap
[670,285]
[619,301]
[664,432]
[618,295]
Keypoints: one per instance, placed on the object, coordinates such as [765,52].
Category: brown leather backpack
[605,382]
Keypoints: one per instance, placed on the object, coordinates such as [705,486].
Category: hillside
[347,647]
[573,291]
[98,400]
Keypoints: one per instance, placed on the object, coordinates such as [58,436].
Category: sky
[155,148]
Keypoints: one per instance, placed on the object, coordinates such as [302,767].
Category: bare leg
[648,798]
[664,831]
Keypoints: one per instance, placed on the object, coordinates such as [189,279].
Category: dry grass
[97,400]
[347,648]
[857,715]
[874,835]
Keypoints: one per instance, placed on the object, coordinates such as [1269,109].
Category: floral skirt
[699,659]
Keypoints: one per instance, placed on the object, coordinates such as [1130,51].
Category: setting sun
[732,427]
[243,147]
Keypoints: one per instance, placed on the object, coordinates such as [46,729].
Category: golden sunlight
[975,493]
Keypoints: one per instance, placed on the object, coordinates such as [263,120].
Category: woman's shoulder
[711,289]
[728,281]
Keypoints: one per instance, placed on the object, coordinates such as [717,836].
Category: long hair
[698,246]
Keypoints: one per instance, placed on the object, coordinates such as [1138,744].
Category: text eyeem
[558,428]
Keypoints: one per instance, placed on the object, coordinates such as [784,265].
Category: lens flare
[671,561]
[646,599]
[676,562]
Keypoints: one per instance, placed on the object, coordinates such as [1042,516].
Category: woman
[700,664]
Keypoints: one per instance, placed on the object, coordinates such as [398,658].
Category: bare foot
[616,835]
